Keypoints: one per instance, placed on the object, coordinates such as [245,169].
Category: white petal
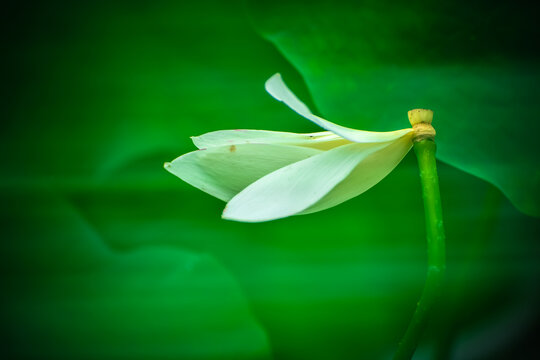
[295,188]
[277,88]
[224,171]
[367,173]
[322,140]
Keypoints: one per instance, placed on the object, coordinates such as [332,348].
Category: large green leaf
[96,86]
[476,65]
[106,255]
[343,283]
[70,296]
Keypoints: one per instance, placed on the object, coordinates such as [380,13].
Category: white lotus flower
[267,175]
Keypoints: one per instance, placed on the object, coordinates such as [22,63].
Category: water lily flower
[267,175]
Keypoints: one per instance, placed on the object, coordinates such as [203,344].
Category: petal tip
[270,84]
[226,215]
[196,140]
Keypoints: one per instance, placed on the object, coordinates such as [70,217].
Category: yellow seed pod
[420,120]
[417,116]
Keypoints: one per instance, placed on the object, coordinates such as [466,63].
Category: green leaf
[476,66]
[102,93]
[69,295]
[356,269]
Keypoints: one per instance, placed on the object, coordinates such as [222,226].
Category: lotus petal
[321,140]
[224,171]
[304,185]
[277,88]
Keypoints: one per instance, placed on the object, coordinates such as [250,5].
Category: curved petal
[295,188]
[277,88]
[322,140]
[367,173]
[225,170]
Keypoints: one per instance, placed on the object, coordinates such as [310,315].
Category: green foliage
[71,296]
[106,255]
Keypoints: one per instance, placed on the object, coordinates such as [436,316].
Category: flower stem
[425,152]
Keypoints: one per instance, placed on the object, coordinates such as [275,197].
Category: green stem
[425,152]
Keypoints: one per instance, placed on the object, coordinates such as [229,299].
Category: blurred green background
[107,256]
